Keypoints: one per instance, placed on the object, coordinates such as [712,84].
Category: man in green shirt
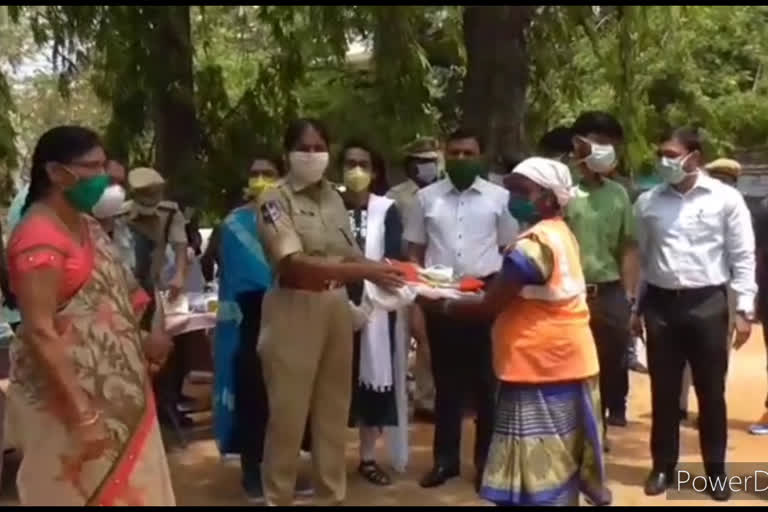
[601,218]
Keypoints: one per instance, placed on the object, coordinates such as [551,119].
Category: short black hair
[380,183]
[597,122]
[271,158]
[465,133]
[297,128]
[689,137]
[556,141]
[510,161]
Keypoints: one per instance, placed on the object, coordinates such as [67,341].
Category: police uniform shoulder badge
[271,212]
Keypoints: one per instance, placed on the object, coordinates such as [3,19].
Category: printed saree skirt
[546,445]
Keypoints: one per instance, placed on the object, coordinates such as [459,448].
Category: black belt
[685,292]
[595,289]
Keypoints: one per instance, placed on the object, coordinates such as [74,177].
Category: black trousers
[461,366]
[609,322]
[762,311]
[169,381]
[251,401]
[689,325]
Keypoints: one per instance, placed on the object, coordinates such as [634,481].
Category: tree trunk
[493,100]
[177,132]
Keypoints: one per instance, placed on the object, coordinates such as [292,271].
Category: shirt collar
[703,182]
[479,185]
[296,187]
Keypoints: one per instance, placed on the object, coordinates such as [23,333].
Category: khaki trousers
[305,346]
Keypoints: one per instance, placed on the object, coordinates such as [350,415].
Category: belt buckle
[591,290]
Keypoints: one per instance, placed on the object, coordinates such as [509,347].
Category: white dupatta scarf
[380,370]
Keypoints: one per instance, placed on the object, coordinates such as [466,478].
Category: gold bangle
[92,419]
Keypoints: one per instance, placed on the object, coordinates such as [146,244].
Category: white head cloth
[550,174]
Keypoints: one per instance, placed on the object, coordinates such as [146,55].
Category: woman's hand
[175,286]
[157,347]
[92,434]
[386,276]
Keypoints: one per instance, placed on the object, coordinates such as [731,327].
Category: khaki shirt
[154,226]
[404,196]
[312,220]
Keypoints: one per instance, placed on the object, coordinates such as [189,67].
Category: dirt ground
[202,478]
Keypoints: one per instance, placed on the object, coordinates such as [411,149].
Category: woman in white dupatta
[379,399]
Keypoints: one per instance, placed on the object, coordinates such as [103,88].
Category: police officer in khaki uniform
[422,162]
[156,223]
[306,334]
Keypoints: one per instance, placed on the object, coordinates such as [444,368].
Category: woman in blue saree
[240,402]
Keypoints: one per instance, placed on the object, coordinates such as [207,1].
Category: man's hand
[636,325]
[743,330]
[386,276]
[175,286]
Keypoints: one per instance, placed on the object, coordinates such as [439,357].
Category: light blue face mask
[671,169]
[427,172]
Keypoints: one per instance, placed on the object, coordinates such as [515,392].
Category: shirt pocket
[705,225]
[313,236]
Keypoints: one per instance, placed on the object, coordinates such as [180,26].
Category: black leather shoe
[658,482]
[616,420]
[437,476]
[720,493]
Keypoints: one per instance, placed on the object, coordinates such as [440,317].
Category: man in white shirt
[695,237]
[460,222]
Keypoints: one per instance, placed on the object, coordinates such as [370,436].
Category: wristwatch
[632,303]
[749,316]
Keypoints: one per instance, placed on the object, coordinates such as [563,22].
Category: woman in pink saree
[80,404]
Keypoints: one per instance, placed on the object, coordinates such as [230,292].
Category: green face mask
[86,192]
[463,172]
[523,210]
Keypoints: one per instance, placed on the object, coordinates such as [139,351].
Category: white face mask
[671,169]
[426,172]
[307,168]
[109,203]
[601,159]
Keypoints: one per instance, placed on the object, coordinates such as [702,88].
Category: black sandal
[373,473]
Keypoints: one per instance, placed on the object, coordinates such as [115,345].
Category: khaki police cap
[143,177]
[423,147]
[724,166]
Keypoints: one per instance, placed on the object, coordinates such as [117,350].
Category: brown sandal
[373,473]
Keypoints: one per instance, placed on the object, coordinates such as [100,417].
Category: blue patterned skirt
[547,445]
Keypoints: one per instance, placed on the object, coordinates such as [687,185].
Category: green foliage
[257,67]
[655,67]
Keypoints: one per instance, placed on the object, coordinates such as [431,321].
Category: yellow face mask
[356,179]
[257,186]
